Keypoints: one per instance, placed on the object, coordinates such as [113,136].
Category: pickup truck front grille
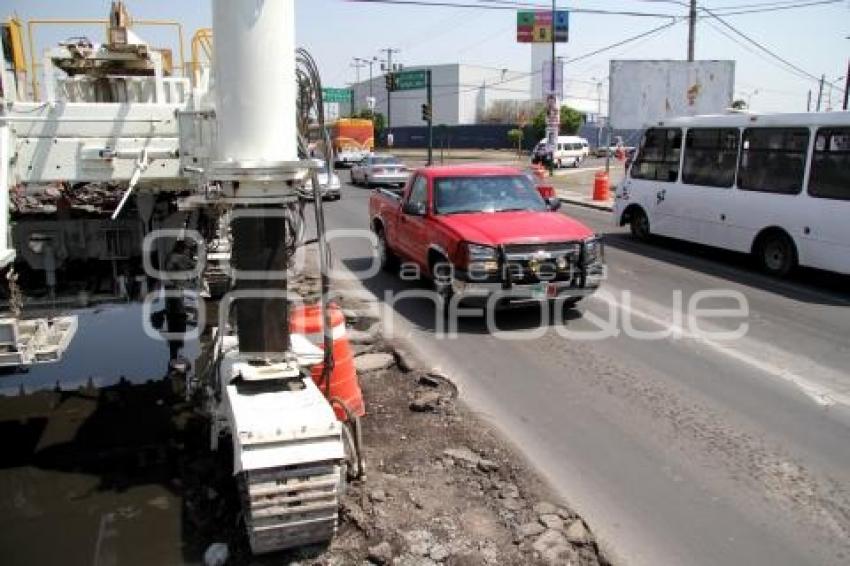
[528,264]
[527,251]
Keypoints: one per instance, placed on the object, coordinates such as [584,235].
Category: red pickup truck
[485,232]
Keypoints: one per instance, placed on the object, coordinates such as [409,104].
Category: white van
[570,151]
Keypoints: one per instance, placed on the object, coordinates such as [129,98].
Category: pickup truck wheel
[386,258]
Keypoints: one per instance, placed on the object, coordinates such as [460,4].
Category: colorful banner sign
[540,26]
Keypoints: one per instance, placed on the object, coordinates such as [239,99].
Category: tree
[515,136]
[510,111]
[739,104]
[571,121]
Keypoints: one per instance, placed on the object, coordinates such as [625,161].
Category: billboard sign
[539,26]
[646,92]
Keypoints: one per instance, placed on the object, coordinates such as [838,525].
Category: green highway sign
[411,80]
[336,95]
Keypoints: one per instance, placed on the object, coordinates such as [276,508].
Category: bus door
[826,238]
[704,201]
[656,172]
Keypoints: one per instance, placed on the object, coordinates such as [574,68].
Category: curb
[588,204]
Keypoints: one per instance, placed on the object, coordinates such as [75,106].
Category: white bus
[774,185]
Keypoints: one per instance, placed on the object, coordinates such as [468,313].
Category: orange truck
[353,139]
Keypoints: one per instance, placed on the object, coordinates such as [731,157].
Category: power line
[588,55]
[721,11]
[778,8]
[521,76]
[511,7]
[761,47]
[768,4]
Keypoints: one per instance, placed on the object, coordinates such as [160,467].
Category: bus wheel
[639,225]
[776,254]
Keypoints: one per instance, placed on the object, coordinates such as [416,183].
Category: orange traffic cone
[600,186]
[307,321]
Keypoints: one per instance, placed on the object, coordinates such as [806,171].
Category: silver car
[379,170]
[329,184]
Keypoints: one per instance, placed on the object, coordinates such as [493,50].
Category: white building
[461,94]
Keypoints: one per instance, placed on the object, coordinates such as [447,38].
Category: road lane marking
[105,530]
[817,392]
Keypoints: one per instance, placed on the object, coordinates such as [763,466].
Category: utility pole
[809,102]
[846,86]
[692,29]
[598,113]
[389,51]
[552,103]
[552,83]
[357,66]
[430,103]
[820,92]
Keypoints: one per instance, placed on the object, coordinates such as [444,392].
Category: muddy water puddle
[104,463]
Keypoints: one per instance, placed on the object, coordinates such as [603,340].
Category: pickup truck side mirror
[413,208]
[546,191]
[554,203]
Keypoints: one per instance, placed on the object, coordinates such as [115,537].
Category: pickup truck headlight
[594,251]
[481,258]
[477,252]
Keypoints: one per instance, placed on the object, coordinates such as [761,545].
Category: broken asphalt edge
[415,356]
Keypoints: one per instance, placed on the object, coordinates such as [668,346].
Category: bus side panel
[754,211]
[827,246]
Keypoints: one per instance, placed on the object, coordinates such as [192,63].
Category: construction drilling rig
[218,163]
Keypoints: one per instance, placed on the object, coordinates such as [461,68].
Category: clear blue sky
[813,38]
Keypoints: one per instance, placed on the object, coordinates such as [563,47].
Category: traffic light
[426,112]
[390,82]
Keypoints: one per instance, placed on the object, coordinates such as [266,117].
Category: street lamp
[371,62]
[831,86]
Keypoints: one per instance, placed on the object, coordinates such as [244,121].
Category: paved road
[683,449]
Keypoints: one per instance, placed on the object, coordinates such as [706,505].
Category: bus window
[658,158]
[773,160]
[711,157]
[830,176]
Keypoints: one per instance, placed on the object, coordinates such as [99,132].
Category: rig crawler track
[290,506]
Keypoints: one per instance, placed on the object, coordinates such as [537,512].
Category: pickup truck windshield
[457,195]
